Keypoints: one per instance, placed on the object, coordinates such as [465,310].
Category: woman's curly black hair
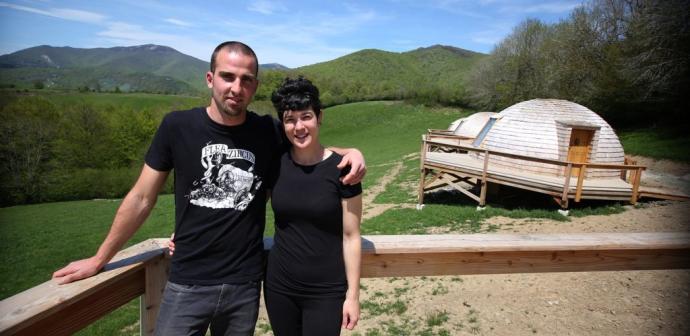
[294,95]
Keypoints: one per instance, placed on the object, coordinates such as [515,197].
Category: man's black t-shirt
[221,175]
[307,257]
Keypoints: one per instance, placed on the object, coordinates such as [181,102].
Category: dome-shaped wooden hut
[551,129]
[470,126]
[549,146]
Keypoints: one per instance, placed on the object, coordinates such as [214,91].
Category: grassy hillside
[434,75]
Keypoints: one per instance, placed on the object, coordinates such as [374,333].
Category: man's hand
[358,167]
[77,270]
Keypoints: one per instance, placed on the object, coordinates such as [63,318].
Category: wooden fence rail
[141,270]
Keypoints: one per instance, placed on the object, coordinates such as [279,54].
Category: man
[223,158]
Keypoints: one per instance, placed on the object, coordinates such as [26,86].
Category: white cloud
[490,36]
[60,13]
[178,22]
[266,7]
[560,7]
[130,33]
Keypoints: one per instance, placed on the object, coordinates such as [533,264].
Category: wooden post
[636,186]
[566,186]
[580,181]
[156,278]
[624,172]
[482,193]
[422,178]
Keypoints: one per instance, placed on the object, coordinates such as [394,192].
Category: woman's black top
[307,256]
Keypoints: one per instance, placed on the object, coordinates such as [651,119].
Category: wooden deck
[464,163]
[450,163]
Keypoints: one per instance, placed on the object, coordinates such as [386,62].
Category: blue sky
[293,33]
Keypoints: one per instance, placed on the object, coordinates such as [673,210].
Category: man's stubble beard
[226,110]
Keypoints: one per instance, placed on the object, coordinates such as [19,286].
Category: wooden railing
[141,270]
[568,166]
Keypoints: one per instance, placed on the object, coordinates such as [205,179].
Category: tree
[28,129]
[83,140]
[658,55]
[515,69]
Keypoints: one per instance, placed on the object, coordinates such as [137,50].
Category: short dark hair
[294,95]
[235,46]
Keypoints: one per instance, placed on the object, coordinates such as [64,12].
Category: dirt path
[372,209]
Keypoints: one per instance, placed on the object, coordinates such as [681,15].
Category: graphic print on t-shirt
[228,181]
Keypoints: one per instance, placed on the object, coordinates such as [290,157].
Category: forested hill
[148,68]
[434,74]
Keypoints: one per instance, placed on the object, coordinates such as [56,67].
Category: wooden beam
[580,181]
[52,309]
[459,188]
[566,186]
[156,279]
[593,165]
[636,186]
[422,171]
[482,192]
[411,255]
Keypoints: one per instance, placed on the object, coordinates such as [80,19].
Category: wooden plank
[566,185]
[593,165]
[415,255]
[156,279]
[433,179]
[462,263]
[580,180]
[384,244]
[460,188]
[663,193]
[482,193]
[636,186]
[422,170]
[74,303]
[74,316]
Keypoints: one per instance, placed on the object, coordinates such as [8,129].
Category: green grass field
[38,239]
[657,143]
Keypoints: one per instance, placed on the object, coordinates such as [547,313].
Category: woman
[312,276]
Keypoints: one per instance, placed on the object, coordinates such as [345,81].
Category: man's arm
[351,157]
[133,211]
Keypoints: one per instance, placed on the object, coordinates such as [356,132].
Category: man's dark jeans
[229,309]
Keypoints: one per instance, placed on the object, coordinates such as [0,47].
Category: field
[38,239]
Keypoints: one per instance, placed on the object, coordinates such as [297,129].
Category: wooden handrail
[535,159]
[51,309]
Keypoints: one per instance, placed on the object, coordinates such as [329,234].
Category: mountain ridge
[364,74]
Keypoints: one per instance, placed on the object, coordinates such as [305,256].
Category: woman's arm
[352,253]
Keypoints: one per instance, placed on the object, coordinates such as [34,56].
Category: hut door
[580,143]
